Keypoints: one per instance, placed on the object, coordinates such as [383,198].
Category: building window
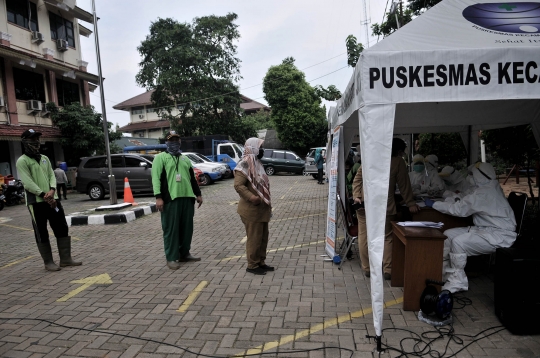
[61,29]
[150,110]
[67,92]
[137,110]
[28,85]
[22,13]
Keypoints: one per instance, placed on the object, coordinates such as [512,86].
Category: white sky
[310,31]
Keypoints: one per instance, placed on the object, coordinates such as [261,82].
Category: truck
[225,150]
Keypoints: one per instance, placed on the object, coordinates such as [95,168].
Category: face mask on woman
[418,167]
[261,153]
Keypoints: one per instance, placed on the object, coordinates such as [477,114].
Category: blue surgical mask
[418,167]
[173,147]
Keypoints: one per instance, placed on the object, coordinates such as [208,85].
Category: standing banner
[332,176]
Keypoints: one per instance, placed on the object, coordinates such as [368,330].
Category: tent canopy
[459,66]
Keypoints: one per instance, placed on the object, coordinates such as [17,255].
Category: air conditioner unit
[44,111]
[33,106]
[37,37]
[61,45]
[2,102]
[141,116]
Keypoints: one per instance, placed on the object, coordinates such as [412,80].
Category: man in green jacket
[176,190]
[37,176]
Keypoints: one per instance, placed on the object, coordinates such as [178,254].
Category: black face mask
[261,153]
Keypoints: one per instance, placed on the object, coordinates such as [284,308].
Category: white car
[212,171]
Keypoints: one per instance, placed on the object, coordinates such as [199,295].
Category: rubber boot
[64,249]
[457,281]
[46,254]
[446,268]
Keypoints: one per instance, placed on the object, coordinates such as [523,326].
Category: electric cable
[179,347]
[384,14]
[462,301]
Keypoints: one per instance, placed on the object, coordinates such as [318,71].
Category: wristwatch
[51,188]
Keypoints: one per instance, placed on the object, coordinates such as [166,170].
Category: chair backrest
[518,201]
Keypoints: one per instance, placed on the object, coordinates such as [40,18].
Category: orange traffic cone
[128,196]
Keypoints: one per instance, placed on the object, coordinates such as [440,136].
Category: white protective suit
[457,183]
[418,178]
[494,222]
[432,184]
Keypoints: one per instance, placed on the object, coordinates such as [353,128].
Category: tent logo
[513,17]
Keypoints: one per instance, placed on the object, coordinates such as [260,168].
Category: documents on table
[422,224]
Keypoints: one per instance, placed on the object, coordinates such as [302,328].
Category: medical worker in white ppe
[494,222]
[432,183]
[456,182]
[418,176]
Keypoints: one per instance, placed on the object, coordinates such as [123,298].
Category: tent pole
[469,129]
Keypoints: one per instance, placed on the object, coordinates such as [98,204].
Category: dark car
[281,160]
[93,174]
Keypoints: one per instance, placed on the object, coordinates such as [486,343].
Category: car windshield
[202,157]
[239,150]
[194,158]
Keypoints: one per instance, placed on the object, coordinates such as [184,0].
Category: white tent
[458,67]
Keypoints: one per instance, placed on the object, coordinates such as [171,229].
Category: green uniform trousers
[177,225]
[256,243]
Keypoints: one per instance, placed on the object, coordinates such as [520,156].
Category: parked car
[93,174]
[212,171]
[199,175]
[228,172]
[280,160]
[310,167]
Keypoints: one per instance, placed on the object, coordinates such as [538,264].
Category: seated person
[456,182]
[494,222]
[399,177]
[433,185]
[418,176]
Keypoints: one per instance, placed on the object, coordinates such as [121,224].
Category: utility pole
[112,181]
[366,22]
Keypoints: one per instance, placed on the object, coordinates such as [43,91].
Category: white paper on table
[421,224]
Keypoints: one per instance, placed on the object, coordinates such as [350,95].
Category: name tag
[178,177]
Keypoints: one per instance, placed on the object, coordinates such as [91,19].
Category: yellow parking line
[275,250]
[16,262]
[289,189]
[18,227]
[192,296]
[244,239]
[316,328]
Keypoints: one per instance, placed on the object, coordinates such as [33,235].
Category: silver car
[310,167]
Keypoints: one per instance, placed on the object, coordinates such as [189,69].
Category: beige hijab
[253,169]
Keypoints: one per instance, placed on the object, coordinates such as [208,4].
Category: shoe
[267,268]
[173,265]
[188,257]
[257,271]
[367,274]
[64,249]
[65,198]
[387,276]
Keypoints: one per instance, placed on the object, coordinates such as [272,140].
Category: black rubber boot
[46,254]
[64,249]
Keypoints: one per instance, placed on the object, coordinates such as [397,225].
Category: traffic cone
[128,196]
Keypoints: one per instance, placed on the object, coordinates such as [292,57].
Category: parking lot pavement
[213,306]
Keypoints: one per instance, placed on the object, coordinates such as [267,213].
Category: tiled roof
[13,133]
[144,125]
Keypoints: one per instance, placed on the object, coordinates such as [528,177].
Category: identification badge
[178,177]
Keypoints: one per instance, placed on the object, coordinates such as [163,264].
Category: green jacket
[37,178]
[164,170]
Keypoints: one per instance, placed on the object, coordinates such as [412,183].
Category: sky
[313,32]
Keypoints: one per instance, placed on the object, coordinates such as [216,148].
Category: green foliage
[330,94]
[354,49]
[299,119]
[414,8]
[82,131]
[419,6]
[262,120]
[448,147]
[192,66]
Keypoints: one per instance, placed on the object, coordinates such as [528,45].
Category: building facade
[144,121]
[40,62]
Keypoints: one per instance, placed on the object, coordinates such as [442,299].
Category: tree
[354,49]
[82,131]
[299,119]
[448,147]
[414,8]
[515,145]
[330,94]
[192,67]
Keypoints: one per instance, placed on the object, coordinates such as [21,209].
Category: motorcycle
[13,192]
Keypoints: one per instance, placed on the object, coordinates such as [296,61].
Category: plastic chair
[351,231]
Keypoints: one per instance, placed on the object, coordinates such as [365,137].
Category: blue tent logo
[513,17]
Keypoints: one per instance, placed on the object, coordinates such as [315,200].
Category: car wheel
[270,171]
[96,192]
[204,180]
[208,179]
[315,176]
[304,173]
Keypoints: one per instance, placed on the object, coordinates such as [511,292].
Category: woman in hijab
[254,207]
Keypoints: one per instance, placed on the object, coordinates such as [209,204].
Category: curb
[118,218]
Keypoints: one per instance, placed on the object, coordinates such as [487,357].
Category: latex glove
[429,202]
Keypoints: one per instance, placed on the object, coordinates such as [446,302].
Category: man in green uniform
[176,190]
[37,176]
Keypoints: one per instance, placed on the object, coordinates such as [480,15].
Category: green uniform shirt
[37,178]
[169,166]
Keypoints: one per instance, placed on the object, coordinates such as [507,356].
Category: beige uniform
[399,176]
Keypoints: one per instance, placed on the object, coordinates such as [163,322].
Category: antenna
[366,21]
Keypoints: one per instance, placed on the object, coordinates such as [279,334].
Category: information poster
[332,175]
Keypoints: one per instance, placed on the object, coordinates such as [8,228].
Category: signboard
[332,175]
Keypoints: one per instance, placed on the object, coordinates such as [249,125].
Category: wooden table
[417,255]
